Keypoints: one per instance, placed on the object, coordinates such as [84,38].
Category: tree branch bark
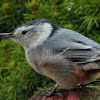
[86,93]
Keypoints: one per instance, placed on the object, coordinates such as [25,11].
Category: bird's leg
[52,92]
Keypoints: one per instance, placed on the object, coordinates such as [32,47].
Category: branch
[86,93]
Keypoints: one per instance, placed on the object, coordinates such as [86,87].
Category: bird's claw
[51,92]
[59,95]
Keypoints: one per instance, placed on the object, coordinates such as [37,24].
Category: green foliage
[11,14]
[18,81]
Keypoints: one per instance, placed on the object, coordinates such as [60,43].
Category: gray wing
[74,46]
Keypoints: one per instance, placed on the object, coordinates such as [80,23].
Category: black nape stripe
[54,30]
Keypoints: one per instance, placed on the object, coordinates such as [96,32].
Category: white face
[32,35]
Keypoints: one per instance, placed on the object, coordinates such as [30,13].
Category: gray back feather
[74,46]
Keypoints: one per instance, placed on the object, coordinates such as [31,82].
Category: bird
[63,55]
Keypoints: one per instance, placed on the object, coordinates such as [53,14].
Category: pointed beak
[6,35]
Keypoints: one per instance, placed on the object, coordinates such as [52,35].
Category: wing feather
[74,46]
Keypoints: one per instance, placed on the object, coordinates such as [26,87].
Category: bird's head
[31,34]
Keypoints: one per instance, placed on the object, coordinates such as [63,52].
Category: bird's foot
[52,92]
[49,92]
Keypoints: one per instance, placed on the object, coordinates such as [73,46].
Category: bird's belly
[30,60]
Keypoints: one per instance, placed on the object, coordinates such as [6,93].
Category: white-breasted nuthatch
[63,55]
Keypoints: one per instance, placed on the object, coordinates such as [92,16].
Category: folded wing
[74,46]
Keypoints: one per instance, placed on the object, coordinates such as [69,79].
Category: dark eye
[24,32]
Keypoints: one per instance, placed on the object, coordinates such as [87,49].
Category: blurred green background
[18,81]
